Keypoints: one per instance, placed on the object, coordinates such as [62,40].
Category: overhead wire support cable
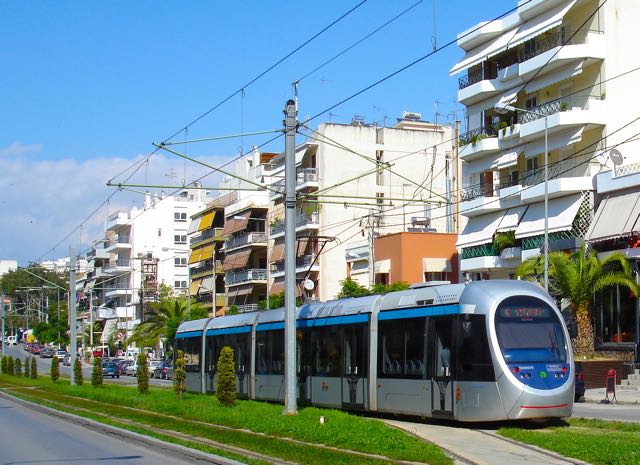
[188,186]
[230,136]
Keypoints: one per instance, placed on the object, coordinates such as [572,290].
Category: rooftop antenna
[331,115]
[436,103]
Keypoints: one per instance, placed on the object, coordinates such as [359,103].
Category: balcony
[118,220]
[205,300]
[305,178]
[120,243]
[122,264]
[240,277]
[117,289]
[302,265]
[563,179]
[478,200]
[253,238]
[563,114]
[206,269]
[302,222]
[479,142]
[207,235]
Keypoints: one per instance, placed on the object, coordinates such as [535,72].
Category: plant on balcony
[233,310]
[504,240]
[275,222]
[577,277]
[564,106]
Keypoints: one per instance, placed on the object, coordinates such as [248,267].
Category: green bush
[27,366]
[77,372]
[10,365]
[226,377]
[17,367]
[4,364]
[96,374]
[34,368]
[179,377]
[55,369]
[142,373]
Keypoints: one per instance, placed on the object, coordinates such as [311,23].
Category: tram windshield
[529,331]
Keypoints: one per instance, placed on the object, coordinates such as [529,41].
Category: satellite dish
[308,284]
[616,157]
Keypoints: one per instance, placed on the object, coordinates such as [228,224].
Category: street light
[499,109]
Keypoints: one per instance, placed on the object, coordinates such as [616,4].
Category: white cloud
[17,148]
[43,201]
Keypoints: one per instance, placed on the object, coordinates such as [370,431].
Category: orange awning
[206,221]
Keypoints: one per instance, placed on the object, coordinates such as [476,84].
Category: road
[27,437]
[607,412]
[44,368]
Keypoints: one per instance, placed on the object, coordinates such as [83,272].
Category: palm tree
[165,319]
[577,277]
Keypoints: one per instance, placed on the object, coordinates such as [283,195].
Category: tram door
[354,364]
[442,350]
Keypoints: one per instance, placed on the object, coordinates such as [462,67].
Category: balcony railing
[205,235]
[301,262]
[254,274]
[474,192]
[245,239]
[121,262]
[473,77]
[201,269]
[303,176]
[248,308]
[542,45]
[301,220]
[480,133]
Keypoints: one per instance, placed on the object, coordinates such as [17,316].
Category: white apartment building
[143,249]
[559,62]
[345,193]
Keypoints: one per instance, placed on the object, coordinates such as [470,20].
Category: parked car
[61,354]
[110,369]
[46,353]
[132,369]
[123,364]
[164,370]
[579,391]
[35,349]
[152,365]
[66,361]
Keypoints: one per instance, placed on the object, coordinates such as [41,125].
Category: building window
[180,216]
[180,239]
[180,261]
[435,276]
[159,232]
[180,284]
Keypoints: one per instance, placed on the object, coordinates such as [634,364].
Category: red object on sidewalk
[610,385]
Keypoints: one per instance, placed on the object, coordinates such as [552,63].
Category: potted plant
[564,106]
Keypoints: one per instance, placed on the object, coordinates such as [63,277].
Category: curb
[176,450]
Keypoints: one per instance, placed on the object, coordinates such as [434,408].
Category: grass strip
[118,395]
[595,441]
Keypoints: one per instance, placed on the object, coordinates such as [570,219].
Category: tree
[163,323]
[179,383]
[350,288]
[577,277]
[78,377]
[226,377]
[142,373]
[55,369]
[10,367]
[4,364]
[27,366]
[17,367]
[96,374]
[34,368]
[275,301]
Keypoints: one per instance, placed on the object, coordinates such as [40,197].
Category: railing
[471,193]
[116,287]
[626,169]
[302,176]
[205,235]
[543,45]
[119,240]
[248,308]
[301,262]
[555,170]
[477,134]
[245,239]
[473,77]
[301,220]
[535,113]
[201,269]
[254,274]
[119,262]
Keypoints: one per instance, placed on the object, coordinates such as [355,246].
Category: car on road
[164,370]
[132,369]
[110,369]
[35,349]
[60,354]
[580,387]
[152,365]
[46,353]
[123,364]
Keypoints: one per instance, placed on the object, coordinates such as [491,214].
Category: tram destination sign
[524,312]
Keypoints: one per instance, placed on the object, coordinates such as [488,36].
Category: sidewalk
[623,396]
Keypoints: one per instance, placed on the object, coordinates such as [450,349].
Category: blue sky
[88,86]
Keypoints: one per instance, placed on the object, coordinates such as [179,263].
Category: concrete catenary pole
[290,258]
[2,307]
[72,309]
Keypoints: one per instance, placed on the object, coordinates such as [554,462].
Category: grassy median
[254,426]
[594,441]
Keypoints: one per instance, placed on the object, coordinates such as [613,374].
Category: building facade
[548,77]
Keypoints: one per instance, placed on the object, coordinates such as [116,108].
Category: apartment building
[206,241]
[144,247]
[551,68]
[355,181]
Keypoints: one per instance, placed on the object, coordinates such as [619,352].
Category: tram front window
[529,331]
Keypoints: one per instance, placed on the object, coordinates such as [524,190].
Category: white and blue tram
[484,351]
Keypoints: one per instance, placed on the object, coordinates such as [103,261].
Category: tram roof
[193,325]
[271,316]
[230,321]
[349,306]
[432,295]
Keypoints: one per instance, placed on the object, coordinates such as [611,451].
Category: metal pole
[91,323]
[372,252]
[2,307]
[546,205]
[213,289]
[290,258]
[266,228]
[58,296]
[72,309]
[404,215]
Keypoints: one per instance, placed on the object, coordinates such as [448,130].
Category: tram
[482,351]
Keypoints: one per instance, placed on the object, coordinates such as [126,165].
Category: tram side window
[239,344]
[327,348]
[270,352]
[401,349]
[475,362]
[191,349]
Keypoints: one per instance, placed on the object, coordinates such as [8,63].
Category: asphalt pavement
[28,436]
